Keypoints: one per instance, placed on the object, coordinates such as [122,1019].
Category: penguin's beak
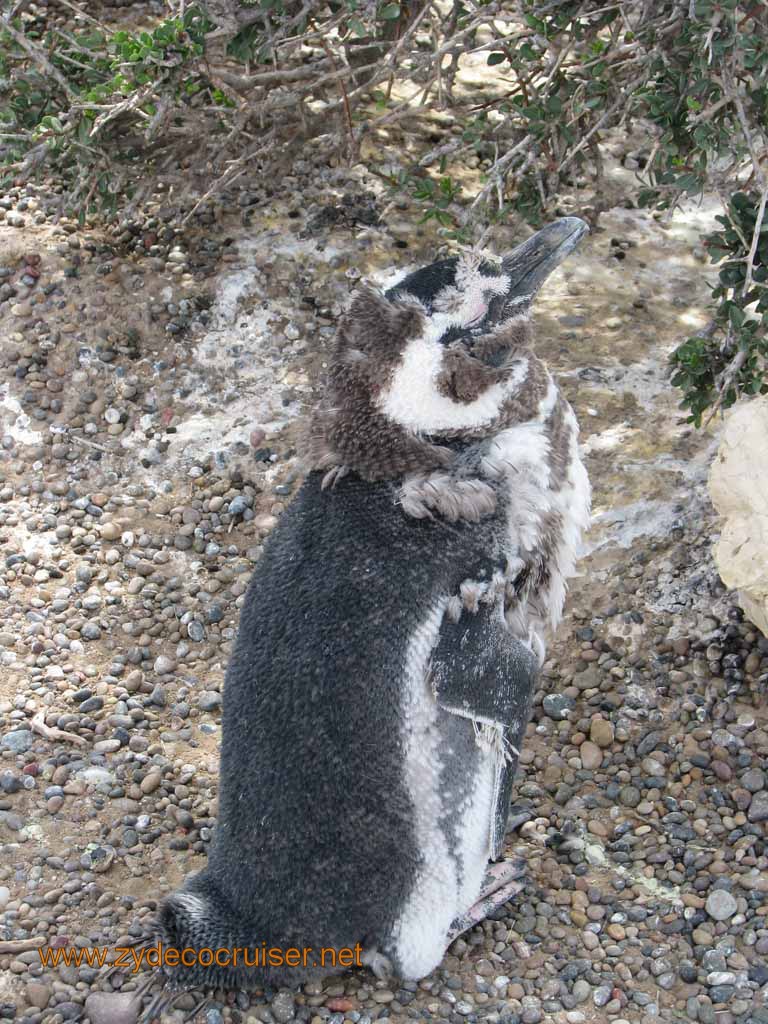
[530,264]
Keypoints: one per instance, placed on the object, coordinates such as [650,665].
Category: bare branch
[755,241]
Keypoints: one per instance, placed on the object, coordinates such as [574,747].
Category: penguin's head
[466,298]
[442,354]
[456,371]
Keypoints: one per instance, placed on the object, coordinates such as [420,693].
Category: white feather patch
[413,400]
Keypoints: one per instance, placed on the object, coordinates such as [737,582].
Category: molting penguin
[392,634]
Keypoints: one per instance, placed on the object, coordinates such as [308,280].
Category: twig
[755,241]
[131,103]
[726,379]
[706,115]
[89,444]
[52,732]
[85,15]
[744,123]
[345,97]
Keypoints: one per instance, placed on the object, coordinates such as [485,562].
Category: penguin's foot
[380,965]
[501,883]
[501,873]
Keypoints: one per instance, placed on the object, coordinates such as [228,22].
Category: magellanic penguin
[391,637]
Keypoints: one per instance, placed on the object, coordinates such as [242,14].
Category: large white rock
[738,483]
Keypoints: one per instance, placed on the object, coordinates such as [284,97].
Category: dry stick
[759,173]
[280,77]
[124,106]
[345,97]
[88,444]
[297,18]
[84,14]
[21,945]
[755,242]
[51,732]
[440,151]
[710,112]
[391,57]
[18,7]
[725,382]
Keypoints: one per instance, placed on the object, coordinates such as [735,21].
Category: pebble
[283,1007]
[591,755]
[112,1008]
[18,741]
[581,990]
[758,807]
[721,905]
[150,783]
[601,732]
[557,705]
[38,994]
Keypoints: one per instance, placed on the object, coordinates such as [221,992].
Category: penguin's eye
[475,308]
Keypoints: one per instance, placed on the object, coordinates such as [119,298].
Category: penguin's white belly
[451,873]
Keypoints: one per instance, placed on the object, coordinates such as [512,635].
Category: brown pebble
[722,770]
[38,994]
[150,783]
[338,1004]
[591,755]
[752,664]
[601,732]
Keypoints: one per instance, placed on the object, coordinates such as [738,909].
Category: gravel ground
[150,390]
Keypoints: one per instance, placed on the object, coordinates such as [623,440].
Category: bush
[117,114]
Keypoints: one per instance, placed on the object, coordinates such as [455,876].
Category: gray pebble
[19,741]
[557,705]
[721,905]
[196,631]
[601,995]
[283,1007]
[758,807]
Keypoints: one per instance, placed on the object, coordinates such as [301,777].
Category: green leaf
[496,58]
[390,12]
[736,315]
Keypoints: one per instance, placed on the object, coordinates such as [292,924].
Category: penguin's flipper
[479,670]
[502,881]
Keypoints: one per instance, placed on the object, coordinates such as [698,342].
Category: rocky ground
[149,405]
